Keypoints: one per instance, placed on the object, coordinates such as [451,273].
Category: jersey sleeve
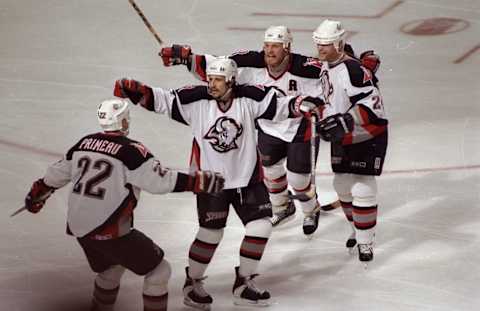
[366,104]
[199,64]
[59,173]
[152,177]
[169,102]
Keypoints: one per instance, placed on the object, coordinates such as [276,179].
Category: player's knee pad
[259,228]
[110,278]
[299,182]
[275,170]
[364,191]
[342,183]
[212,236]
[156,281]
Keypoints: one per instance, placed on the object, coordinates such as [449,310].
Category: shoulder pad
[192,93]
[255,92]
[249,59]
[305,67]
[359,76]
[134,154]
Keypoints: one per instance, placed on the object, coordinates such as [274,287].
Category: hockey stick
[146,22]
[18,211]
[42,198]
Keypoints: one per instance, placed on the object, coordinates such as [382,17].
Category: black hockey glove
[370,60]
[37,196]
[206,182]
[306,106]
[336,126]
[136,91]
[176,55]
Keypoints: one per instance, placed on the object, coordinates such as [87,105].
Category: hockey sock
[365,220]
[155,303]
[347,210]
[104,299]
[253,245]
[202,251]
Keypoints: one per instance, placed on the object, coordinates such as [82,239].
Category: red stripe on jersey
[195,157]
[375,130]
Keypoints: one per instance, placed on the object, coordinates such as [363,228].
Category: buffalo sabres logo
[223,135]
[327,88]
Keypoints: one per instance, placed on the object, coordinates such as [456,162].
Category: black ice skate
[246,293]
[310,223]
[194,294]
[351,242]
[285,215]
[365,252]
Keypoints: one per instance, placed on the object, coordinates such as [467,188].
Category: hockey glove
[336,126]
[176,55]
[370,60]
[207,182]
[136,91]
[307,105]
[36,197]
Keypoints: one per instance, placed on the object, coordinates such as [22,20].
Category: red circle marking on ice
[434,26]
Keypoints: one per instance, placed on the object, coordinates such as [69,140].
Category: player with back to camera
[107,171]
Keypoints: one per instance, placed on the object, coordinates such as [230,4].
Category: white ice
[59,59]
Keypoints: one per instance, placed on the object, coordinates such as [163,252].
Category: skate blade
[238,301]
[284,221]
[199,306]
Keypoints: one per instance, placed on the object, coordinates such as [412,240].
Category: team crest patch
[223,134]
[313,62]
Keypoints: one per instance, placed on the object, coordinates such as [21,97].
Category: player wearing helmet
[108,170]
[356,125]
[222,116]
[284,146]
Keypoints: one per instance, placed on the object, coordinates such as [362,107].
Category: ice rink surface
[59,59]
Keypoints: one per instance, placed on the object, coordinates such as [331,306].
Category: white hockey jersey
[107,172]
[349,87]
[225,140]
[299,78]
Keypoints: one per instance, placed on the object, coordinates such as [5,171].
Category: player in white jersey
[356,125]
[222,117]
[108,170]
[286,142]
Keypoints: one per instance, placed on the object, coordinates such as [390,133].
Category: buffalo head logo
[223,134]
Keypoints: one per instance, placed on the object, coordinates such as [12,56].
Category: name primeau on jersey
[100,145]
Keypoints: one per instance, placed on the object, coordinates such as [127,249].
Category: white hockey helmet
[222,66]
[330,32]
[111,113]
[279,34]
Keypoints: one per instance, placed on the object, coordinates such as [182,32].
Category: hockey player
[107,171]
[280,143]
[356,126]
[222,116]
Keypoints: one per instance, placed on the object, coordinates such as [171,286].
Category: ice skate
[365,252]
[194,294]
[310,222]
[246,293]
[351,242]
[284,216]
